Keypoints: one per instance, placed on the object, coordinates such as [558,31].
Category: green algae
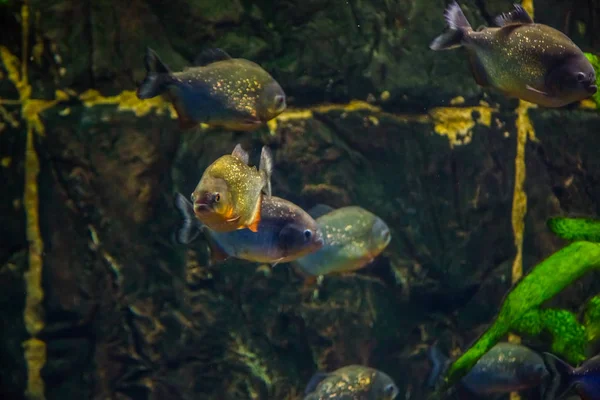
[575,228]
[591,319]
[545,280]
[568,335]
[595,60]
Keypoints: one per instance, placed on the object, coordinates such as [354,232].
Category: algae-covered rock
[126,313]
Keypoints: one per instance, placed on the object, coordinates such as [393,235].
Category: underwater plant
[575,228]
[568,335]
[518,311]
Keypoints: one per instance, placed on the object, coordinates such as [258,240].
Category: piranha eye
[217,197]
[279,100]
[389,390]
[307,234]
[580,76]
[193,197]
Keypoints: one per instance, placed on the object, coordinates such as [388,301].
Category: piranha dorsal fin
[240,153]
[266,168]
[314,381]
[517,16]
[319,210]
[209,56]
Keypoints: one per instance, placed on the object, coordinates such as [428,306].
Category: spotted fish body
[229,193]
[523,59]
[285,233]
[353,237]
[505,368]
[232,93]
[353,382]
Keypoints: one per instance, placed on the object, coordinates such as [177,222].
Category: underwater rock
[129,315]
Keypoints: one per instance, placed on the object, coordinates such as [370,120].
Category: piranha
[285,232]
[584,379]
[520,58]
[232,93]
[230,192]
[353,382]
[353,238]
[505,368]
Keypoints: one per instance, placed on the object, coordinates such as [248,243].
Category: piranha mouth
[201,207]
[592,89]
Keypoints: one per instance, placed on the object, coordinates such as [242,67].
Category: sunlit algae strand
[568,335]
[591,319]
[575,228]
[543,282]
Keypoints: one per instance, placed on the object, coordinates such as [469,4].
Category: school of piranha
[234,208]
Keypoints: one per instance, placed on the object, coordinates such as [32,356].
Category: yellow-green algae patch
[33,313]
[457,123]
[128,101]
[543,282]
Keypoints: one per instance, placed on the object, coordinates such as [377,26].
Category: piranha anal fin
[217,254]
[478,71]
[209,56]
[240,153]
[185,122]
[517,16]
[266,169]
[314,381]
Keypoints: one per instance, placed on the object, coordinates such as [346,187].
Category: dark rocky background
[130,316]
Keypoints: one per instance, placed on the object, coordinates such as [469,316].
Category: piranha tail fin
[439,364]
[560,380]
[457,24]
[266,168]
[158,76]
[190,228]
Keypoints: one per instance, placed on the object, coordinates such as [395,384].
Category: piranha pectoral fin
[233,219]
[276,262]
[537,91]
